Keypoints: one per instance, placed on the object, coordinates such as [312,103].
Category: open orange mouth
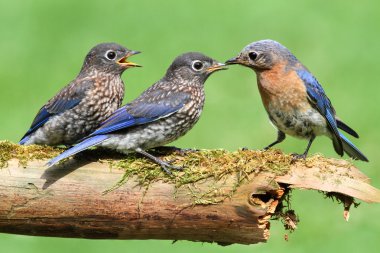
[127,64]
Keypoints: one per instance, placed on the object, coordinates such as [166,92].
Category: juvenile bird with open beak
[79,108]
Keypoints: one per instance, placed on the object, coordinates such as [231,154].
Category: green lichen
[23,154]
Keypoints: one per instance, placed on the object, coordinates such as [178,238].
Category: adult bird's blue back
[79,108]
[293,98]
[161,114]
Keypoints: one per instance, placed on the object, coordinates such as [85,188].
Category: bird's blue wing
[44,114]
[142,111]
[66,99]
[322,103]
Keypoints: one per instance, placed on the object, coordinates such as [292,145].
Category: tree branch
[224,197]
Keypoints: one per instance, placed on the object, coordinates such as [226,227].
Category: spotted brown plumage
[90,98]
[161,114]
[293,98]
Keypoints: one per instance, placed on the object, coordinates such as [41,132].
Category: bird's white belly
[301,124]
[149,136]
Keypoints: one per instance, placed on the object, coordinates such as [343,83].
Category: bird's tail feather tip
[351,150]
[23,141]
[87,143]
[54,161]
[49,164]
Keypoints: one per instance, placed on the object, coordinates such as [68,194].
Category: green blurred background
[43,44]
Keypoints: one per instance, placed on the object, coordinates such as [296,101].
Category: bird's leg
[164,165]
[304,155]
[280,137]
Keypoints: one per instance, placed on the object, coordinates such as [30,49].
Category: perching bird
[294,100]
[161,114]
[79,108]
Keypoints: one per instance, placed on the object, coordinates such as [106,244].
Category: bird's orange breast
[281,88]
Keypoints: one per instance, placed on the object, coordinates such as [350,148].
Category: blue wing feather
[41,118]
[44,115]
[322,103]
[66,99]
[62,105]
[123,118]
[142,111]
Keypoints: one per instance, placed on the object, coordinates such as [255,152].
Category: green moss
[9,150]
[217,165]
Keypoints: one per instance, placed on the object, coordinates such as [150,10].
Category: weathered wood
[75,206]
[70,201]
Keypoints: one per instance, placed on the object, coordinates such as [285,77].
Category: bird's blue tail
[87,143]
[351,150]
[24,140]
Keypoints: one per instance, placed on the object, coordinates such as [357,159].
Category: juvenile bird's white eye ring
[110,55]
[197,65]
[252,56]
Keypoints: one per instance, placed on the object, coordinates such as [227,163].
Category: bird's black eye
[197,65]
[111,55]
[252,56]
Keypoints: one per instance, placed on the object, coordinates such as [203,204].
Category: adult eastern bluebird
[161,114]
[79,108]
[294,100]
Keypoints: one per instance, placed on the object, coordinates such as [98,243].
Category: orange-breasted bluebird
[79,108]
[161,114]
[293,98]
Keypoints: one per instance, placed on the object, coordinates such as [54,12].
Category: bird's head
[109,58]
[263,55]
[193,68]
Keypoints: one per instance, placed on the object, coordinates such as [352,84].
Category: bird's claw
[167,167]
[296,157]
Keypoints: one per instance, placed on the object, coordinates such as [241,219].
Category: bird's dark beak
[235,60]
[216,67]
[127,64]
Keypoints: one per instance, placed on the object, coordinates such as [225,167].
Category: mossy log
[224,197]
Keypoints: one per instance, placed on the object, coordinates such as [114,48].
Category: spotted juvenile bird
[161,114]
[79,108]
[296,103]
